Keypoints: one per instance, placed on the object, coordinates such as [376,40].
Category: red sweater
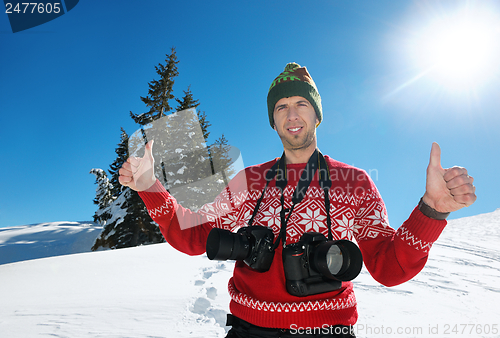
[357,213]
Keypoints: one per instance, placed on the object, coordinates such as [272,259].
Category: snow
[117,210]
[46,239]
[155,291]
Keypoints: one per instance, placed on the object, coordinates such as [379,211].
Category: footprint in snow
[202,306]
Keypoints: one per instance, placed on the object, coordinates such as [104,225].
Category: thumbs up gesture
[138,173]
[447,190]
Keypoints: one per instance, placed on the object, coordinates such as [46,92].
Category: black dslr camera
[252,244]
[314,265]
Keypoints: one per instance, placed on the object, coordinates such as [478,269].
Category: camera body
[252,244]
[315,265]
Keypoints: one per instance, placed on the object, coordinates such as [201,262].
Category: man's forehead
[292,99]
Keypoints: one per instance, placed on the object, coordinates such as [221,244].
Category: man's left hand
[450,189]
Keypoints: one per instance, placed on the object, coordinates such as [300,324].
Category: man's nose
[292,114]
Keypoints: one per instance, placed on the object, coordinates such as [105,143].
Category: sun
[459,51]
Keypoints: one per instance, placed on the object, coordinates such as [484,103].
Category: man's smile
[294,129]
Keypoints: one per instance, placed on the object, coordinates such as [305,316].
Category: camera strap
[278,170]
[270,174]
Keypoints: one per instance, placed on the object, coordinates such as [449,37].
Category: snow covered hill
[155,291]
[34,241]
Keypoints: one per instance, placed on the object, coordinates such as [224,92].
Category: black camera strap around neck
[278,170]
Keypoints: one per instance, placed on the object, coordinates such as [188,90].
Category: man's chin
[299,146]
[297,142]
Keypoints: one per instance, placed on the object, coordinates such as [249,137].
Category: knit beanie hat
[294,81]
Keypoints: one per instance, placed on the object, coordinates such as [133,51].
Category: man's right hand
[138,173]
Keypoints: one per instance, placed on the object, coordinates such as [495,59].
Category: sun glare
[459,51]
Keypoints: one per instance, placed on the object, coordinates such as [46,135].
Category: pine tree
[220,151]
[122,155]
[104,196]
[187,101]
[160,91]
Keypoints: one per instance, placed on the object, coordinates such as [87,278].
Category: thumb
[435,160]
[148,149]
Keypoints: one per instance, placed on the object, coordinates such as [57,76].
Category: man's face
[295,121]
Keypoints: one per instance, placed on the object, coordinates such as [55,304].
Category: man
[261,305]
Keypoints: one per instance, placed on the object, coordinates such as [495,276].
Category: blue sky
[67,86]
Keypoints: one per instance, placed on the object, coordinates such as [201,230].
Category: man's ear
[275,128]
[317,122]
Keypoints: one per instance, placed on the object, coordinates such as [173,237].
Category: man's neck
[294,156]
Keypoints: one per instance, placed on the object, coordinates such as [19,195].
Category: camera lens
[334,259]
[340,260]
[223,245]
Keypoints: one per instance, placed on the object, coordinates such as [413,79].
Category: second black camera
[315,265]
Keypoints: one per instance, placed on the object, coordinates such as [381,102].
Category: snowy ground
[155,291]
